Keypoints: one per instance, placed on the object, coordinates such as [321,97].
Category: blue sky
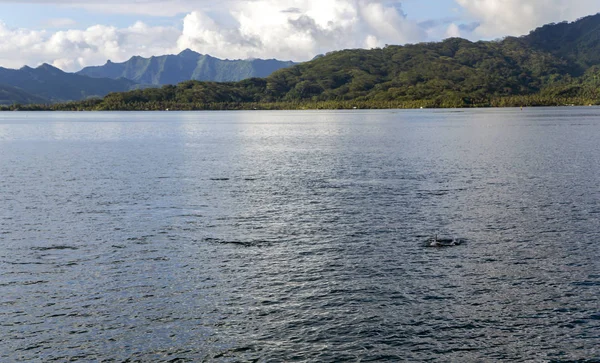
[37,15]
[71,34]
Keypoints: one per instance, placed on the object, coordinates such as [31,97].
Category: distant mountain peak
[188,52]
[46,84]
[49,67]
[187,65]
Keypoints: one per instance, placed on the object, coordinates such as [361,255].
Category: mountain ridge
[54,85]
[184,66]
[48,84]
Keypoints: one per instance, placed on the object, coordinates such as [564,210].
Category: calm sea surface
[299,236]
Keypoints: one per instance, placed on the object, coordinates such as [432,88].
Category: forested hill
[555,64]
[577,42]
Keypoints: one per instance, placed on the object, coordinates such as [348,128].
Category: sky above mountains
[72,34]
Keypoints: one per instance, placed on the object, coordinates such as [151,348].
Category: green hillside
[577,42]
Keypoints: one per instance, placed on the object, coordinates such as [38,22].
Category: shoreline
[97,105]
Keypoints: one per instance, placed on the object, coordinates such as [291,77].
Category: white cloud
[268,28]
[73,49]
[517,17]
[453,31]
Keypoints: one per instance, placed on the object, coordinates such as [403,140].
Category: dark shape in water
[436,241]
[54,247]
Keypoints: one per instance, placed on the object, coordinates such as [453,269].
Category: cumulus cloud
[453,31]
[517,17]
[298,30]
[73,49]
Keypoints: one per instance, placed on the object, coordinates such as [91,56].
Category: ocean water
[300,236]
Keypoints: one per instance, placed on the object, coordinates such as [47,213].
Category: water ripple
[300,237]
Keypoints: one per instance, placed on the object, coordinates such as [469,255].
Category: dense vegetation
[556,64]
[187,65]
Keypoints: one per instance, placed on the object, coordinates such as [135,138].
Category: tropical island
[556,64]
